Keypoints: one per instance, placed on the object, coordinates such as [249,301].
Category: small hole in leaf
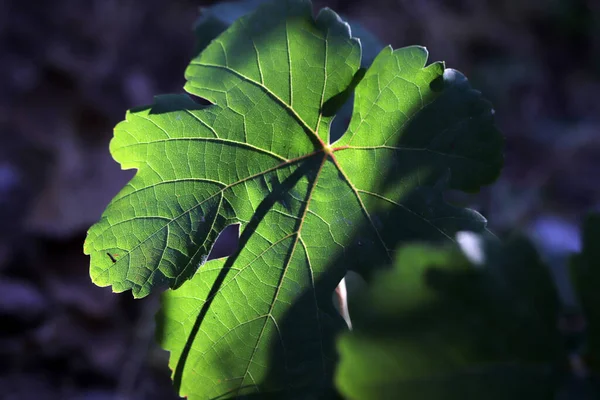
[227,242]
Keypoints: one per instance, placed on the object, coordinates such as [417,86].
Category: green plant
[260,157]
[438,326]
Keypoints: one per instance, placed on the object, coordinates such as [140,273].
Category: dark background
[70,68]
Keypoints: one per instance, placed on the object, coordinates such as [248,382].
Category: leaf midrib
[286,265]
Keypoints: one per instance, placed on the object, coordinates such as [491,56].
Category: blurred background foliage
[69,69]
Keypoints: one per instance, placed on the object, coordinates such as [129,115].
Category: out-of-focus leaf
[585,274]
[436,327]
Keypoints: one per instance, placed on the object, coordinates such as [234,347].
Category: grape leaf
[260,156]
[437,327]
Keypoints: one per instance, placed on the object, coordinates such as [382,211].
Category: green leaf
[259,156]
[436,327]
[585,275]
